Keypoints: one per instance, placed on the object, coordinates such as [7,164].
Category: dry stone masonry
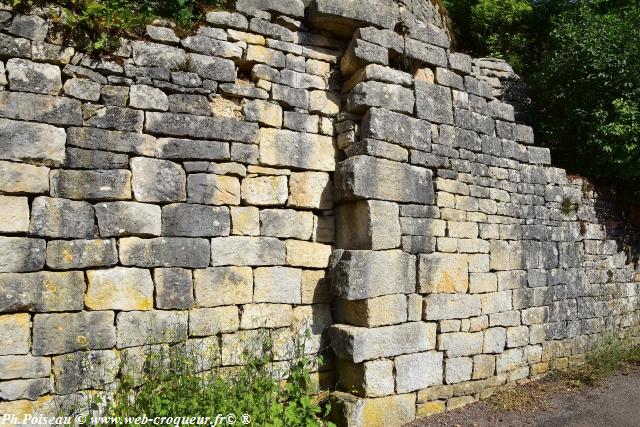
[324,165]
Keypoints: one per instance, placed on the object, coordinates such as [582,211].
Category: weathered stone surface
[245,220]
[325,103]
[277,285]
[174,288]
[311,190]
[158,55]
[266,316]
[183,125]
[91,185]
[19,254]
[290,97]
[370,379]
[241,250]
[164,252]
[84,89]
[223,286]
[98,369]
[23,179]
[116,118]
[40,108]
[172,148]
[457,344]
[364,177]
[121,142]
[146,97]
[286,223]
[42,292]
[392,411]
[158,180]
[458,369]
[27,76]
[451,306]
[418,371]
[29,389]
[443,273]
[137,328]
[205,322]
[119,288]
[227,19]
[32,142]
[359,344]
[376,148]
[210,46]
[15,334]
[213,189]
[307,254]
[27,366]
[377,94]
[117,219]
[14,214]
[368,224]
[61,218]
[263,112]
[264,55]
[433,102]
[396,128]
[67,332]
[344,18]
[370,313]
[92,159]
[12,47]
[79,254]
[190,220]
[265,190]
[367,274]
[207,67]
[287,7]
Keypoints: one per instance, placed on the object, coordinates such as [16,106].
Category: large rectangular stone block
[204,322]
[155,180]
[67,332]
[32,142]
[369,379]
[433,102]
[174,288]
[451,306]
[117,219]
[277,285]
[223,286]
[443,273]
[40,108]
[307,254]
[42,292]
[345,17]
[79,254]
[138,328]
[417,371]
[301,150]
[286,223]
[368,224]
[118,141]
[61,218]
[22,178]
[385,125]
[364,177]
[358,344]
[20,254]
[183,125]
[191,220]
[458,344]
[357,275]
[112,184]
[27,366]
[164,252]
[244,250]
[15,334]
[370,313]
[97,368]
[119,288]
[370,94]
[209,189]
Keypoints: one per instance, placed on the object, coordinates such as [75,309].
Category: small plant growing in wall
[568,206]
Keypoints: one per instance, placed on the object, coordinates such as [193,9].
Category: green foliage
[98,24]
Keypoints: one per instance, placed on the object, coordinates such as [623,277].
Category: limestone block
[451,306]
[482,282]
[443,273]
[68,332]
[10,46]
[98,368]
[207,67]
[307,254]
[227,19]
[40,108]
[244,250]
[32,142]
[119,288]
[460,62]
[23,178]
[190,220]
[358,344]
[378,73]
[238,346]
[418,371]
[433,103]
[157,180]
[200,127]
[392,411]
[174,288]
[301,122]
[406,131]
[392,97]
[359,54]
[91,185]
[116,118]
[380,311]
[517,336]
[29,389]
[256,316]
[265,190]
[277,285]
[368,224]
[42,292]
[204,322]
[364,177]
[138,328]
[457,344]
[509,360]
[84,89]
[27,76]
[118,141]
[369,379]
[211,189]
[264,55]
[359,275]
[162,34]
[245,220]
[15,334]
[431,55]
[315,287]
[293,149]
[145,97]
[117,219]
[496,302]
[263,112]
[223,286]
[147,54]
[61,218]
[312,190]
[324,103]
[164,252]
[175,148]
[12,367]
[290,97]
[484,366]
[495,340]
[14,214]
[458,369]
[286,223]
[79,254]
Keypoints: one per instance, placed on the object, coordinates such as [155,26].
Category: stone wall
[322,165]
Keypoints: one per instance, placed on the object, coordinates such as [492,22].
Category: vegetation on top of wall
[582,62]
[98,24]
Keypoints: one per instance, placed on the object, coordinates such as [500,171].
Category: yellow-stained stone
[315,287]
[237,36]
[223,286]
[325,103]
[20,408]
[245,221]
[389,411]
[444,273]
[459,402]
[223,107]
[430,408]
[15,334]
[263,112]
[540,368]
[373,312]
[264,190]
[307,254]
[264,55]
[119,288]
[311,190]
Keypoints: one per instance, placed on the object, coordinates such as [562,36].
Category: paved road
[615,402]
